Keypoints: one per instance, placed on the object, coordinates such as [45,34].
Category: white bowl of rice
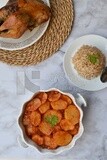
[84,62]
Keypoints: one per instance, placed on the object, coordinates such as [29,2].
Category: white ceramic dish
[27,39]
[25,141]
[90,85]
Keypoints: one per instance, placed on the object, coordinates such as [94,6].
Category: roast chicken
[7,10]
[18,16]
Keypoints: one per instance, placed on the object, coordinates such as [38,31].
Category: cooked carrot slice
[72,113]
[42,96]
[66,125]
[59,105]
[37,139]
[67,99]
[53,96]
[35,118]
[33,105]
[44,107]
[62,138]
[45,128]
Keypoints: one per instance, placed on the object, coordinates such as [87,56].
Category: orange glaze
[51,119]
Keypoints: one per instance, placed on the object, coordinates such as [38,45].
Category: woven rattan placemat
[56,34]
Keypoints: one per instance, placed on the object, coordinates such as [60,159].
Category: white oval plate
[89,85]
[27,39]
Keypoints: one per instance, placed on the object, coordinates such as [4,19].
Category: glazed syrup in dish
[51,119]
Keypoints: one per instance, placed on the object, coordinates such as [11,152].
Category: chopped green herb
[93,59]
[52,120]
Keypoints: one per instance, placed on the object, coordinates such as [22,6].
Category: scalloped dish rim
[29,142]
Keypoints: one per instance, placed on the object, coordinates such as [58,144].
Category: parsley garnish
[52,120]
[93,58]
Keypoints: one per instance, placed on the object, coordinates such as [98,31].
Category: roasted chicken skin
[7,10]
[36,9]
[15,25]
[18,16]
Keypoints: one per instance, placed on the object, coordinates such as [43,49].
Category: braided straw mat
[56,34]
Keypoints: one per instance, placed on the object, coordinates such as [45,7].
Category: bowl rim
[59,150]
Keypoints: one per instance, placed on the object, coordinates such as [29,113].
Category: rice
[89,61]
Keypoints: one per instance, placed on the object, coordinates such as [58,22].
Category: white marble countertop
[90,18]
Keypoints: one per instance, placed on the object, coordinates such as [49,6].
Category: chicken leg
[15,25]
[16,17]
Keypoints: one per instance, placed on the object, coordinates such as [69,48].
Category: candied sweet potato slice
[75,130]
[72,113]
[33,105]
[59,105]
[67,99]
[44,107]
[66,125]
[26,120]
[62,138]
[35,118]
[31,130]
[45,128]
[57,128]
[42,96]
[49,142]
[37,139]
[53,96]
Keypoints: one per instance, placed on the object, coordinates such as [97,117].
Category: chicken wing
[36,9]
